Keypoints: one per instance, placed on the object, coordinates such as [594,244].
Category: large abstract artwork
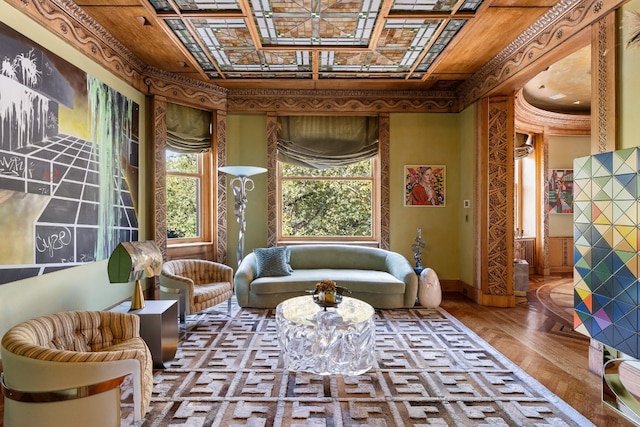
[606,287]
[68,163]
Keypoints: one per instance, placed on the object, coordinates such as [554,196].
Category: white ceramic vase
[429,291]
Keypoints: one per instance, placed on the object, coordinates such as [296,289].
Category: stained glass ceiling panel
[261,38]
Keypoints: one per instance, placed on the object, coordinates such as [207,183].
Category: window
[188,195]
[524,189]
[334,204]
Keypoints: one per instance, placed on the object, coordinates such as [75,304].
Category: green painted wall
[562,151]
[628,88]
[87,286]
[467,126]
[415,138]
[426,139]
[247,146]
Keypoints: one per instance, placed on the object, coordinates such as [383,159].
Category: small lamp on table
[131,261]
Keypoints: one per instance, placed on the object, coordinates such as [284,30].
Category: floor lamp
[241,184]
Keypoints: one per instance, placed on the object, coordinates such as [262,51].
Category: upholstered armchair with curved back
[66,369]
[197,284]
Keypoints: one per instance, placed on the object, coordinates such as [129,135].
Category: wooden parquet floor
[540,340]
[542,343]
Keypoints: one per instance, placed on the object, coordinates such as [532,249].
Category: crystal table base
[336,341]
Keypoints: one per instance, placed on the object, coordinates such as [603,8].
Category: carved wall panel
[499,243]
[272,164]
[385,197]
[220,146]
[160,181]
[603,88]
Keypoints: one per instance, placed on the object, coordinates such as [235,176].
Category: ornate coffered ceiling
[319,44]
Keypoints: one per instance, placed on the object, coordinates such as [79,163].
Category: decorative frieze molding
[338,101]
[185,90]
[566,19]
[71,23]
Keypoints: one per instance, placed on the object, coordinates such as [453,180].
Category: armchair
[68,367]
[197,284]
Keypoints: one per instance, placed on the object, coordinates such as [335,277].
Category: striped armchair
[198,284]
[66,368]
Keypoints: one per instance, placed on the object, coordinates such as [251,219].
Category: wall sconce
[131,261]
[240,185]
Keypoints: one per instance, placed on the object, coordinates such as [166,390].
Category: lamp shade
[242,170]
[131,261]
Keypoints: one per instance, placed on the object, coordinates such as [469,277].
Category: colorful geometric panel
[607,238]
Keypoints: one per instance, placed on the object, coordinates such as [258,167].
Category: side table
[158,328]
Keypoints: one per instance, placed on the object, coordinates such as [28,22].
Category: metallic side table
[158,328]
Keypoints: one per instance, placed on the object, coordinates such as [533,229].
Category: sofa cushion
[368,281]
[272,261]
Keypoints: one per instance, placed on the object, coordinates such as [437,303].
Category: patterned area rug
[430,371]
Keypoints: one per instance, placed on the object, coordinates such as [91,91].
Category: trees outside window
[334,204]
[187,196]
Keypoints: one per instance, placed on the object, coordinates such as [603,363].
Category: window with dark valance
[188,129]
[323,142]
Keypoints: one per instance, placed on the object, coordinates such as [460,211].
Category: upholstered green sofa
[382,278]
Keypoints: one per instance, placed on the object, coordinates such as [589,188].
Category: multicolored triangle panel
[606,240]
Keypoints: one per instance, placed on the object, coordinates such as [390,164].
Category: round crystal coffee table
[333,341]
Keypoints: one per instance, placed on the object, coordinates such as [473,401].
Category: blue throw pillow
[273,261]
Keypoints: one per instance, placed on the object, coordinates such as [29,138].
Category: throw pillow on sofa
[273,261]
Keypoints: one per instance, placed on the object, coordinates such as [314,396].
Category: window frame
[375,237]
[205,221]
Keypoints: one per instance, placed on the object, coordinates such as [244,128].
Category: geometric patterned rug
[430,370]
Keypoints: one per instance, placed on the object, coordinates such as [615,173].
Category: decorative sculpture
[417,251]
[429,290]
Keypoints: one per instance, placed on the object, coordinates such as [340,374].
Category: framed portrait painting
[560,191]
[425,185]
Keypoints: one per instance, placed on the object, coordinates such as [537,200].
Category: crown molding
[185,90]
[568,18]
[340,101]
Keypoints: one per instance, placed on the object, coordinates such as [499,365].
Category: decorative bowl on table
[327,294]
